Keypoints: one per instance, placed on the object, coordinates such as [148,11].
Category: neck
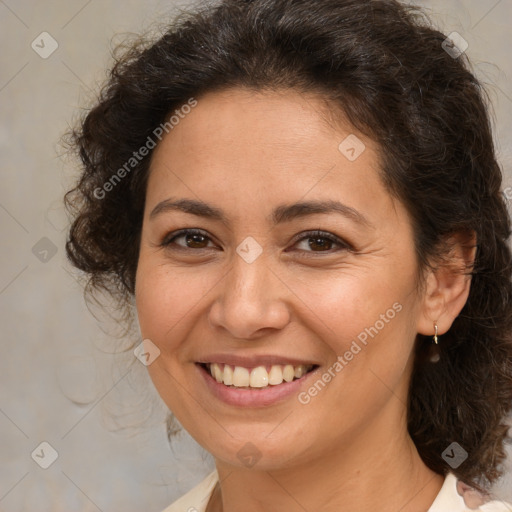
[378,469]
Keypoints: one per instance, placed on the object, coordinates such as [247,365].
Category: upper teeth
[258,377]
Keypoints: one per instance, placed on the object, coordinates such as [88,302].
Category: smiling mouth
[259,377]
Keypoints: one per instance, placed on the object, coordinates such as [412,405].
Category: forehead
[265,146]
[287,120]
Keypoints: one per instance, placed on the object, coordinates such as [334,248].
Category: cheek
[165,297]
[352,303]
[367,322]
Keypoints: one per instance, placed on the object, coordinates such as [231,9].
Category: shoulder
[456,496]
[197,498]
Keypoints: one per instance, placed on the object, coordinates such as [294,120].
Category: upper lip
[254,360]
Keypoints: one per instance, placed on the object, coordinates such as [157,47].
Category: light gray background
[58,382]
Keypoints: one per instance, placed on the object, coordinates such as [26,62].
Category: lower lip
[243,397]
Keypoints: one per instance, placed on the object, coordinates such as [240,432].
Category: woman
[304,201]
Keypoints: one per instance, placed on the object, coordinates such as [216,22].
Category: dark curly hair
[382,66]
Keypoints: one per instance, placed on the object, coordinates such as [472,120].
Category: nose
[251,300]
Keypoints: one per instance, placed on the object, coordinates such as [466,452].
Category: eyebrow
[281,214]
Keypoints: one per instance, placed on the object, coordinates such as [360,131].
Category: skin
[246,153]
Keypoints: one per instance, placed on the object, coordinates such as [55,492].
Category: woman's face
[257,290]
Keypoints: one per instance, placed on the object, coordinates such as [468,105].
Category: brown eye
[193,239]
[320,241]
[321,244]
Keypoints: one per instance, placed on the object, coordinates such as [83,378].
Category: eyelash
[343,246]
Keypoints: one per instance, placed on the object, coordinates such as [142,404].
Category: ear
[447,284]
